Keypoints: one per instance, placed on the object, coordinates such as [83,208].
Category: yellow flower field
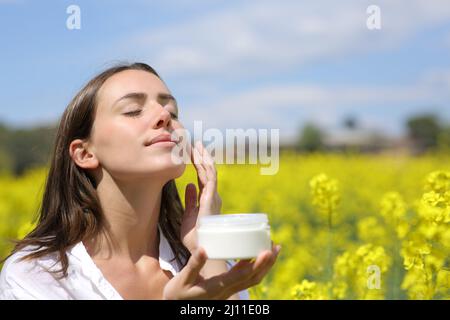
[351,227]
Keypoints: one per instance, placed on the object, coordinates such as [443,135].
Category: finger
[246,278]
[190,198]
[207,158]
[201,171]
[198,152]
[243,271]
[248,265]
[202,159]
[212,288]
[195,264]
[194,155]
[208,193]
[274,254]
[191,152]
[256,279]
[208,163]
[236,279]
[261,261]
[270,258]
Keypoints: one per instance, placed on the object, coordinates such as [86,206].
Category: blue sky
[236,64]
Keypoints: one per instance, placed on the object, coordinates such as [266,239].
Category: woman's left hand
[209,201]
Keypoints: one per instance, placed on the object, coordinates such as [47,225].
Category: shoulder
[15,265]
[26,278]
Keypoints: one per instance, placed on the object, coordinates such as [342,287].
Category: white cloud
[248,40]
[284,106]
[251,39]
[439,79]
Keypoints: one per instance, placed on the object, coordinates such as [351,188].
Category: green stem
[396,262]
[330,252]
[396,270]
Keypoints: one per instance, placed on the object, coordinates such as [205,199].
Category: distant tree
[350,123]
[311,138]
[21,149]
[6,161]
[424,130]
[444,140]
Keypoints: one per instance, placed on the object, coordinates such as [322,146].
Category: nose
[163,118]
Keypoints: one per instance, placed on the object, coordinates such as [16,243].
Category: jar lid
[235,219]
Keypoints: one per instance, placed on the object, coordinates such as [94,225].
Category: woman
[111,224]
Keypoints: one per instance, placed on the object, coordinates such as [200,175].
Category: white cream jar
[234,236]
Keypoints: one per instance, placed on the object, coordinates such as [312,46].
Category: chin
[178,170]
[171,170]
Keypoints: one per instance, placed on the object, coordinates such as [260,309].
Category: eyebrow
[142,96]
[168,96]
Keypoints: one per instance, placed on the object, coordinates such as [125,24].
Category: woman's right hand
[189,284]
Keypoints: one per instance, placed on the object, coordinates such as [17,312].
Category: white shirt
[30,279]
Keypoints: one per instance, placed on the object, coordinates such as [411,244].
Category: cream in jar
[234,236]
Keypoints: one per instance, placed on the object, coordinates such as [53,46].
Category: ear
[81,155]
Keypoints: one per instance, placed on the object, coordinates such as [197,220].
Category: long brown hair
[70,210]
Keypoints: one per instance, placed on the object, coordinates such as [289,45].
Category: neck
[131,211]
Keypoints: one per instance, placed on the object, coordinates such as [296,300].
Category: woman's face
[134,107]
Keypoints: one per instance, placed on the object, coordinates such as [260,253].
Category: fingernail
[201,253]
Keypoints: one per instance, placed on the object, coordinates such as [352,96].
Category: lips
[162,138]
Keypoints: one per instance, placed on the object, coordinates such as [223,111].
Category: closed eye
[138,112]
[133,113]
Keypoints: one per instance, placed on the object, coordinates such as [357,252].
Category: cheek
[179,129]
[177,125]
[115,139]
